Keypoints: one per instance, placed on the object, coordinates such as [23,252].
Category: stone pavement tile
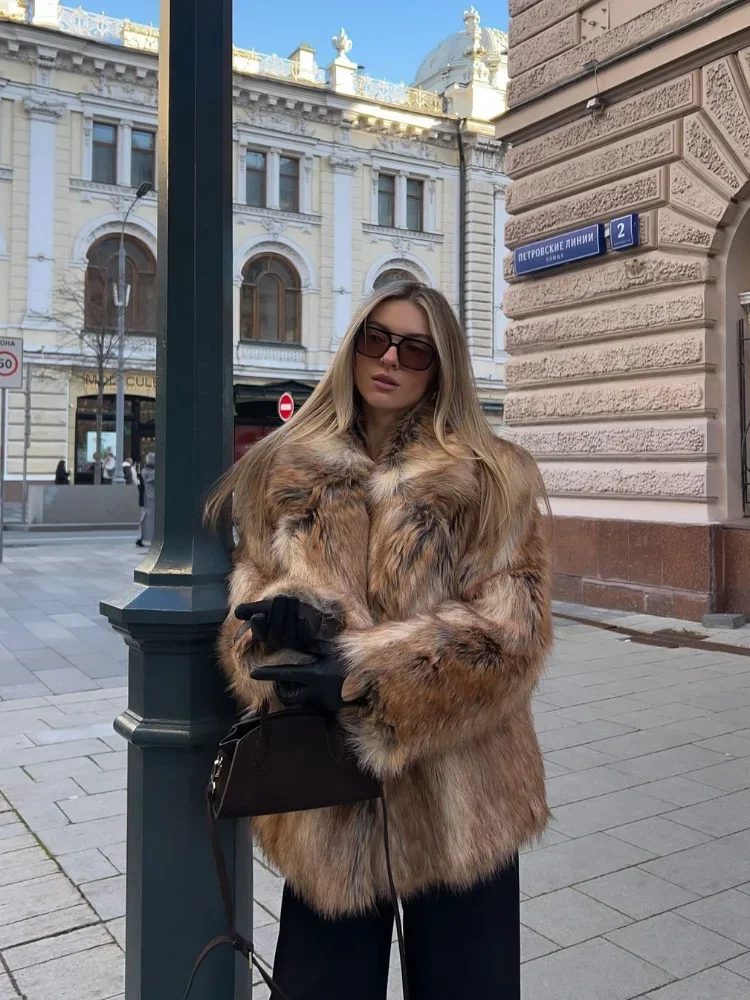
[19,839]
[636,893]
[741,716]
[86,866]
[82,836]
[22,705]
[117,929]
[20,638]
[117,853]
[62,751]
[72,620]
[106,896]
[97,974]
[659,835]
[718,817]
[713,984]
[576,861]
[576,786]
[105,781]
[607,709]
[733,776]
[578,758]
[534,945]
[675,944]
[13,672]
[88,807]
[71,767]
[594,970]
[98,665]
[69,943]
[734,744]
[681,791]
[549,838]
[668,763]
[14,742]
[605,811]
[47,925]
[23,691]
[580,733]
[708,868]
[727,913]
[268,887]
[67,679]
[544,723]
[740,966]
[112,761]
[105,693]
[7,990]
[34,863]
[36,897]
[567,917]
[94,730]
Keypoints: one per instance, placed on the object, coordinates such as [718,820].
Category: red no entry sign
[286,406]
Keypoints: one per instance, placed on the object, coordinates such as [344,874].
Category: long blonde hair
[331,409]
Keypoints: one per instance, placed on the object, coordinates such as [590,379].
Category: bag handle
[232,937]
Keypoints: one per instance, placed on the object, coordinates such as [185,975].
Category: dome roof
[449,61]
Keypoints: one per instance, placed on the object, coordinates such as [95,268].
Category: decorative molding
[45,111]
[108,225]
[115,194]
[282,246]
[344,164]
[402,236]
[287,354]
[404,261]
[295,220]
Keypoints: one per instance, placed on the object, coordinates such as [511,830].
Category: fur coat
[448,639]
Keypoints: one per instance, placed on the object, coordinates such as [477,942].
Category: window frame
[384,174]
[140,153]
[255,171]
[112,147]
[104,271]
[420,203]
[296,177]
[252,291]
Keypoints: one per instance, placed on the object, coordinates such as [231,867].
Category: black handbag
[284,762]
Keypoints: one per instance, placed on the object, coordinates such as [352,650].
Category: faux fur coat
[448,638]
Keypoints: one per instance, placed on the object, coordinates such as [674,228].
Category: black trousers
[458,944]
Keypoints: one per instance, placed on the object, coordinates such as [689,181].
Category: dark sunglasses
[374,342]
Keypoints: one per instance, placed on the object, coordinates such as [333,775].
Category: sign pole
[3,406]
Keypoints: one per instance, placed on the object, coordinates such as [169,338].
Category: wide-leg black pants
[458,944]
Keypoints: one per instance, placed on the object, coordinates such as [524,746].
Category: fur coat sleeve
[444,678]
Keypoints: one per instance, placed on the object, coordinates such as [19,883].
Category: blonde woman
[387,516]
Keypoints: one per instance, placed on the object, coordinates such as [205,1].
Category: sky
[391,37]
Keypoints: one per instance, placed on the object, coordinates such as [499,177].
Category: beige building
[628,370]
[341,182]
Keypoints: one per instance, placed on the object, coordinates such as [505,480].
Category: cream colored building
[340,180]
[629,370]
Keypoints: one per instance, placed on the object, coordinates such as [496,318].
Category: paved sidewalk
[640,889]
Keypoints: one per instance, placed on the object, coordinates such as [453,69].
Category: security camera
[595,105]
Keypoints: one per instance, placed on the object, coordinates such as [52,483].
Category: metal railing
[397,93]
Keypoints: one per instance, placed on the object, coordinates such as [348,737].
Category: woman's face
[385,383]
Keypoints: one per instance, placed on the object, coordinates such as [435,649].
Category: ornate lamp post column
[177,708]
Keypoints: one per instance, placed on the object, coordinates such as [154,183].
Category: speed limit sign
[11,363]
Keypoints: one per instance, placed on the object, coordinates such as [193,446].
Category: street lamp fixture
[121,301]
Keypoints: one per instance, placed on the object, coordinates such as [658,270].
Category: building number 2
[620,230]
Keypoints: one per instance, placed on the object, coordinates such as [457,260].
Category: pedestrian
[392,513]
[108,469]
[128,471]
[147,500]
[62,476]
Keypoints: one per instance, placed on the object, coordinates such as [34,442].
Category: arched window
[101,285]
[394,274]
[270,301]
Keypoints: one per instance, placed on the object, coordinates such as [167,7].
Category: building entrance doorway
[140,432]
[256,413]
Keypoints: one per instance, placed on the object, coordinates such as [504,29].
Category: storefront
[256,410]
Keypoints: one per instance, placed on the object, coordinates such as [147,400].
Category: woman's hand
[282,623]
[320,683]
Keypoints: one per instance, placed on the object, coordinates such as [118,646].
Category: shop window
[104,162]
[414,205]
[386,199]
[256,179]
[101,283]
[270,301]
[143,158]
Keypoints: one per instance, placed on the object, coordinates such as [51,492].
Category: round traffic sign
[286,406]
[8,364]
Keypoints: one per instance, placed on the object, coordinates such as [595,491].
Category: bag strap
[232,937]
[246,948]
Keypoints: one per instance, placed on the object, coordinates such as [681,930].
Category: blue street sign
[624,232]
[562,249]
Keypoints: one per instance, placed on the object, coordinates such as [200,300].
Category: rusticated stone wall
[623,376]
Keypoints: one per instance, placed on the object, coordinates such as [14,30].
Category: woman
[389,509]
[147,500]
[62,476]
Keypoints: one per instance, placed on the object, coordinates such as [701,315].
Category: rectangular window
[143,158]
[255,171]
[386,199]
[414,203]
[288,184]
[104,160]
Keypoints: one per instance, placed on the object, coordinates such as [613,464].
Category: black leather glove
[308,685]
[282,622]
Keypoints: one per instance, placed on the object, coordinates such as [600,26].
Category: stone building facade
[628,371]
[341,182]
